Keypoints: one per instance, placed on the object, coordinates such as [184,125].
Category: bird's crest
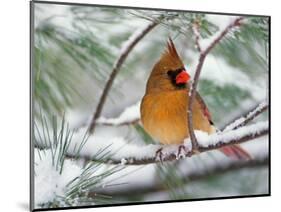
[170,57]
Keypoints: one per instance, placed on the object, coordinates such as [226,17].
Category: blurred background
[75,48]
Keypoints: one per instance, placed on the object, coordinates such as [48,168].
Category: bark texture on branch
[200,149]
[203,54]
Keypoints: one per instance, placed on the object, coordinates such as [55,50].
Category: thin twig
[247,117]
[116,68]
[125,123]
[192,92]
[195,29]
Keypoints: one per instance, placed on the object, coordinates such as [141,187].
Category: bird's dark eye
[170,72]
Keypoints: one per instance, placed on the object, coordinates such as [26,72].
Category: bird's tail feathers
[236,152]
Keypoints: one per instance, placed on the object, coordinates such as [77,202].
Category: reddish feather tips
[207,114]
[236,152]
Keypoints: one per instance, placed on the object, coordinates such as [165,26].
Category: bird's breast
[164,116]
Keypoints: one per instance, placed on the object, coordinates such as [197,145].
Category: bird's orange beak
[182,77]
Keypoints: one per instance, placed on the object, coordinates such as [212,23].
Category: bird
[164,105]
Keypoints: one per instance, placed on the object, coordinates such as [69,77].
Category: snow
[234,124]
[107,139]
[120,149]
[49,183]
[118,146]
[259,108]
[144,177]
[130,114]
[206,140]
[242,119]
[123,161]
[58,15]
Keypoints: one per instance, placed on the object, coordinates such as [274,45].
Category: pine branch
[219,144]
[201,60]
[127,48]
[170,153]
[247,117]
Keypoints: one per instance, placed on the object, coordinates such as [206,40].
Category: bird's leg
[159,154]
[181,148]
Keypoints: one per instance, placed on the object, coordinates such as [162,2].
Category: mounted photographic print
[138,105]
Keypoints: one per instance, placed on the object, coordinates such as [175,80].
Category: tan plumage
[165,104]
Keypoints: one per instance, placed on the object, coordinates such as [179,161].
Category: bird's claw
[180,149]
[159,154]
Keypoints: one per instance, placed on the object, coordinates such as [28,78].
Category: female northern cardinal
[165,104]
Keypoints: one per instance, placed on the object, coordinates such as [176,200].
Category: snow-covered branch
[129,116]
[130,154]
[249,116]
[124,52]
[124,152]
[203,54]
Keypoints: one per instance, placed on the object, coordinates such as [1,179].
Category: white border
[14,87]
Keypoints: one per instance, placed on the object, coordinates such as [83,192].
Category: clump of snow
[117,146]
[49,183]
[77,117]
[206,140]
[130,114]
[123,161]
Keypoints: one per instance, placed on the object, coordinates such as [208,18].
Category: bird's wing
[234,151]
[204,107]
